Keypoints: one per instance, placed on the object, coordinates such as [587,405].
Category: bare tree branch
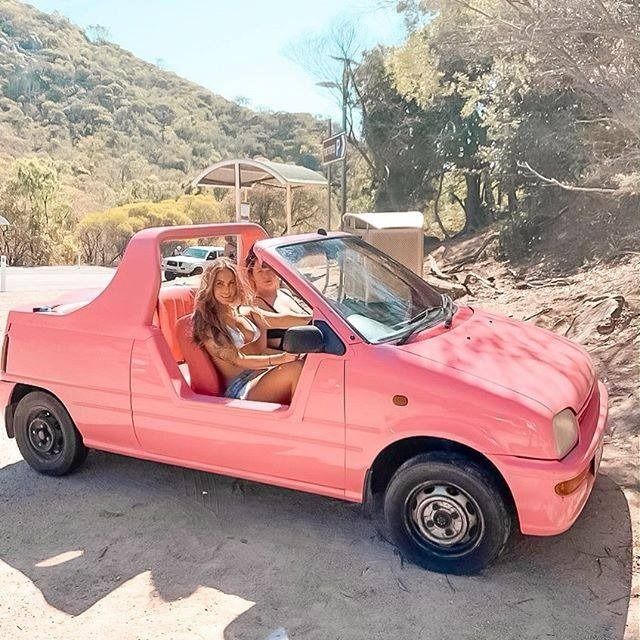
[568,187]
[466,5]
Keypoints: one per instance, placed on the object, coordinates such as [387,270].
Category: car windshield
[379,298]
[195,252]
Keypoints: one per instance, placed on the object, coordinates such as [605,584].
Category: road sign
[334,148]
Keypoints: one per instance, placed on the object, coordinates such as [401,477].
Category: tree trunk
[476,216]
[512,202]
[487,194]
[436,202]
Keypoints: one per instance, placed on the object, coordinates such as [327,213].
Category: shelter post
[238,184]
[329,132]
[288,188]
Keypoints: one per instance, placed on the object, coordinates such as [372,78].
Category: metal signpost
[334,149]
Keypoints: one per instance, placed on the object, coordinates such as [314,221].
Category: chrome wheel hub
[445,515]
[45,435]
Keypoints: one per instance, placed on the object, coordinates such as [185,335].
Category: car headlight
[565,431]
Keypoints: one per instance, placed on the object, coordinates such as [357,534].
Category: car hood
[521,357]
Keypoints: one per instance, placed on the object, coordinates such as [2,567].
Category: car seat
[204,377]
[175,305]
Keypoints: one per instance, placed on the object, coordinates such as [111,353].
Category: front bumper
[180,270]
[541,511]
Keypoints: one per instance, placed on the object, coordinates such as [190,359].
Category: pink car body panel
[488,383]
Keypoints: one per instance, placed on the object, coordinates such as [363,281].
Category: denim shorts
[238,386]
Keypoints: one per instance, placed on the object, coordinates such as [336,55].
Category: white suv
[190,262]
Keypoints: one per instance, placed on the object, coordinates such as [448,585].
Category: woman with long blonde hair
[234,334]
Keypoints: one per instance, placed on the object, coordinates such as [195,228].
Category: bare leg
[277,385]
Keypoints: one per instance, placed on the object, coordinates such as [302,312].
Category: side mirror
[305,339]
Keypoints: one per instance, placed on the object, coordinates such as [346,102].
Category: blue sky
[235,47]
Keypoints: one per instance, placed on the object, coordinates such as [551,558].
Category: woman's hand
[283,358]
[271,320]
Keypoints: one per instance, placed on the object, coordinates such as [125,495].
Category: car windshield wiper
[423,315]
[447,306]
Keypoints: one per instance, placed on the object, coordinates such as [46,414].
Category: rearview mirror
[306,339]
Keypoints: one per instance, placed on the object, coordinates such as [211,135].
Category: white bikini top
[238,337]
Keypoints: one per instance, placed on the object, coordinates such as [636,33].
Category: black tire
[46,436]
[169,275]
[446,513]
[197,271]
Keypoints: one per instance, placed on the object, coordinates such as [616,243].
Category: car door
[301,446]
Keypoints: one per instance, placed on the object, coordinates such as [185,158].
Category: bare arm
[270,320]
[244,361]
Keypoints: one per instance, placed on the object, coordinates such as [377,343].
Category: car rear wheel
[46,436]
[446,513]
[168,275]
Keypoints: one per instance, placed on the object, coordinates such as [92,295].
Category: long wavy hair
[207,317]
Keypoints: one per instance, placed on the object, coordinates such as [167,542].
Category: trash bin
[396,233]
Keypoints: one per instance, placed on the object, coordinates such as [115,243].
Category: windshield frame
[414,280]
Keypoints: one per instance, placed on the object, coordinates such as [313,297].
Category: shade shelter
[239,173]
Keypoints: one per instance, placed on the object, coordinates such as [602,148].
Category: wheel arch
[397,453]
[19,391]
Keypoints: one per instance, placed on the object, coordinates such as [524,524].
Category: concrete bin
[396,233]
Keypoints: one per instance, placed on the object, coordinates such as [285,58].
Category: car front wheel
[446,513]
[46,436]
[169,275]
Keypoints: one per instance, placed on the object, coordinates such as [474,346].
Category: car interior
[173,317]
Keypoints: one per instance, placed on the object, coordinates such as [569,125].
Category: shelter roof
[259,171]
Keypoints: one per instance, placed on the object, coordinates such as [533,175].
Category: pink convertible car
[465,424]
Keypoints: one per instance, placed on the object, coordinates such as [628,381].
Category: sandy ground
[131,549]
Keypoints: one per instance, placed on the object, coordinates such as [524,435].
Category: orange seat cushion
[205,378]
[173,303]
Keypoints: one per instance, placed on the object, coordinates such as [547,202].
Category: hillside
[121,128]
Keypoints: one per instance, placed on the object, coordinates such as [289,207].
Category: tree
[588,49]
[267,207]
[97,33]
[165,116]
[333,58]
[40,220]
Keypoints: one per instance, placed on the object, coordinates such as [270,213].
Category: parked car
[190,262]
[465,424]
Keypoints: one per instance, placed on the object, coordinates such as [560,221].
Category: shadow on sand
[312,565]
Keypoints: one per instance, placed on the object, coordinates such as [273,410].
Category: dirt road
[130,549]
